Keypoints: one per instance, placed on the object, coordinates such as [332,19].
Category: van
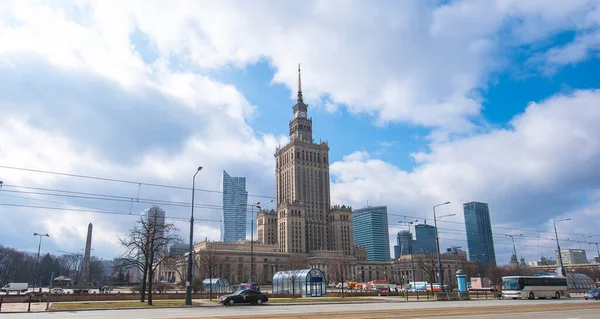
[15,286]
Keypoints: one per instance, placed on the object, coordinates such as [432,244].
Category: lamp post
[37,261]
[562,269]
[410,251]
[188,292]
[257,205]
[437,243]
[515,251]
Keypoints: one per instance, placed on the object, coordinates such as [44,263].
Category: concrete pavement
[351,310]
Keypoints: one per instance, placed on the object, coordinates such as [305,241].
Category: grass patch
[115,304]
[320,299]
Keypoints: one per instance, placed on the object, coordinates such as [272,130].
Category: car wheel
[259,302]
[586,298]
[231,302]
[531,295]
[557,295]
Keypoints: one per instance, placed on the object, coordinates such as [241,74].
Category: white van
[15,286]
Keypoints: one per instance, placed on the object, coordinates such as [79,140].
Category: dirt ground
[428,313]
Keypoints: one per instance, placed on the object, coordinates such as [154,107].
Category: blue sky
[421,102]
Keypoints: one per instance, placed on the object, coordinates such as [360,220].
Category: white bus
[531,287]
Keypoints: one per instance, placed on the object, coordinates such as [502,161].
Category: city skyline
[500,109]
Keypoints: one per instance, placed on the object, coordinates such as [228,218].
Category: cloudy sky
[421,102]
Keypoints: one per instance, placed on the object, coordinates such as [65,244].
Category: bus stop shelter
[219,285]
[307,282]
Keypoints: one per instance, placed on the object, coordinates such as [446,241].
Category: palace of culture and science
[303,224]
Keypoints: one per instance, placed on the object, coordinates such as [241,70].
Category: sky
[421,102]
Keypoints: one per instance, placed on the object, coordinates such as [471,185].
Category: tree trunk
[150,280]
[144,277]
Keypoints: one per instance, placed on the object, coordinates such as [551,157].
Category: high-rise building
[404,244]
[154,215]
[302,185]
[572,256]
[235,200]
[425,241]
[479,233]
[178,250]
[266,227]
[371,231]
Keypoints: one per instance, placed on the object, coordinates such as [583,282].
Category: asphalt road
[353,310]
[577,314]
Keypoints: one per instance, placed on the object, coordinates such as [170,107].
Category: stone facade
[340,232]
[266,227]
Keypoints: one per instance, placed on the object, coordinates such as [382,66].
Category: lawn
[115,304]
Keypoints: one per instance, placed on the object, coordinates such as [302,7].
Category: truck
[15,286]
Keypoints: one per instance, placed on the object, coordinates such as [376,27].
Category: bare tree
[295,264]
[210,263]
[146,246]
[495,274]
[428,266]
[340,270]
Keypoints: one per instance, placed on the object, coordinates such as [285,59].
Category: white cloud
[536,168]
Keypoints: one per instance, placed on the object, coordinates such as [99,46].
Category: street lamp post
[188,292]
[257,205]
[437,243]
[37,261]
[410,249]
[562,269]
[515,251]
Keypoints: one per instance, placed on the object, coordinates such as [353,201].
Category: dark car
[593,293]
[244,296]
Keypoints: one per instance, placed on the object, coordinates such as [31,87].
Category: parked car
[593,293]
[244,296]
[57,291]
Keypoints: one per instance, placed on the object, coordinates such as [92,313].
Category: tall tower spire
[299,85]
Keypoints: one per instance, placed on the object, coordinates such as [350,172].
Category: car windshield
[511,284]
[593,290]
[239,291]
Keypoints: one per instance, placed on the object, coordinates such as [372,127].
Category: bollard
[486,295]
[427,292]
[29,305]
[417,295]
[406,293]
[1,297]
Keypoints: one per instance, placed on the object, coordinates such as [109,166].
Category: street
[563,308]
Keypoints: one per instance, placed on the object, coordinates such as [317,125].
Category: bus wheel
[531,296]
[557,295]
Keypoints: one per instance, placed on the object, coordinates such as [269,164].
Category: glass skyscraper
[404,243]
[370,226]
[479,233]
[233,218]
[425,242]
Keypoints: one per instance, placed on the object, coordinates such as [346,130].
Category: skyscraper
[302,185]
[479,233]
[371,231]
[154,216]
[425,242]
[404,244]
[233,217]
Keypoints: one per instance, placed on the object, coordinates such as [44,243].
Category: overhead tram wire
[502,227]
[114,198]
[220,192]
[123,181]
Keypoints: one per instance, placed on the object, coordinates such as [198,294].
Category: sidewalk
[22,307]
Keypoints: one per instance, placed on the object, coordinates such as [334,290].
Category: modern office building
[153,215]
[371,231]
[425,241]
[178,250]
[572,256]
[404,243]
[479,233]
[233,217]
